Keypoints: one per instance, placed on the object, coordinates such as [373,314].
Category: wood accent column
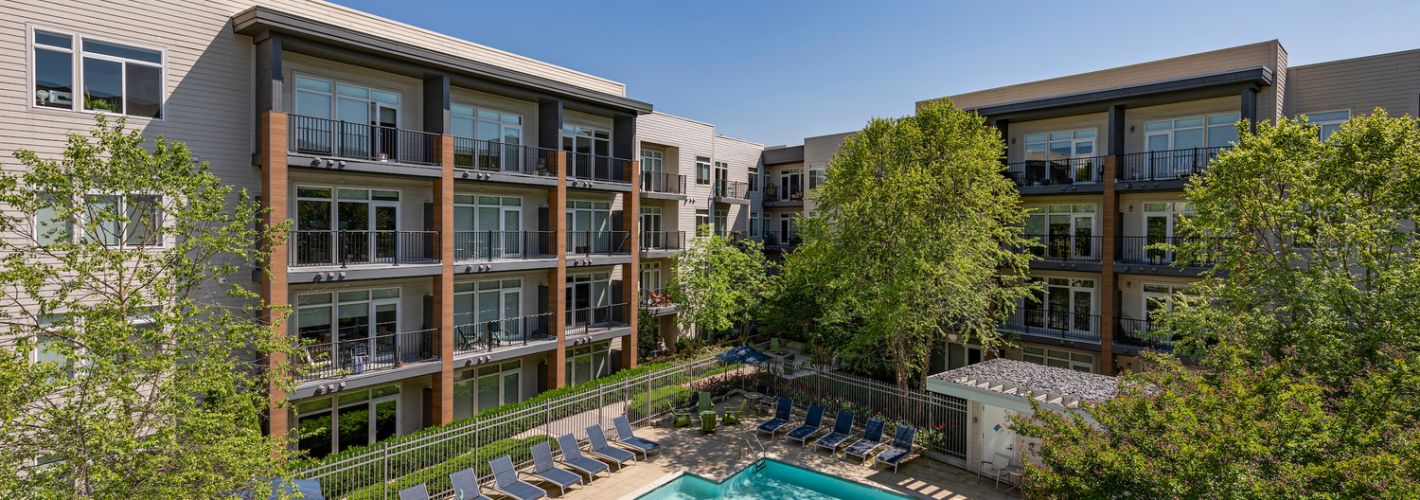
[557,276]
[631,276]
[1248,106]
[443,387]
[273,290]
[1108,281]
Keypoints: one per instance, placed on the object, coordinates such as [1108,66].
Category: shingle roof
[1059,386]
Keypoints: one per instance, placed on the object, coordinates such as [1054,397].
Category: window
[652,171]
[702,219]
[959,355]
[488,310]
[1066,231]
[721,220]
[1211,131]
[753,180]
[702,170]
[123,219]
[115,78]
[337,225]
[1328,121]
[351,330]
[588,362]
[753,225]
[791,181]
[817,175]
[589,226]
[589,297]
[332,424]
[1066,304]
[651,277]
[1056,148]
[1058,359]
[482,389]
[588,148]
[50,228]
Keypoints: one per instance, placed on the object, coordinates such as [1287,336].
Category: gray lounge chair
[871,440]
[506,477]
[572,457]
[417,492]
[544,469]
[842,430]
[627,437]
[307,488]
[812,423]
[599,447]
[901,447]
[782,409]
[466,487]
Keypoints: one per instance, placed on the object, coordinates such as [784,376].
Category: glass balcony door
[589,224]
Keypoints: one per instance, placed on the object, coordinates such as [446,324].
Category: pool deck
[718,455]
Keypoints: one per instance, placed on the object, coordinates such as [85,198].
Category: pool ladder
[751,445]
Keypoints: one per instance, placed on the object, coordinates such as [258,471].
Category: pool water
[768,480]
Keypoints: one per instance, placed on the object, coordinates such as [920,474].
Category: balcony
[663,186]
[1060,325]
[504,334]
[346,248]
[657,301]
[1066,252]
[1164,169]
[504,250]
[1059,175]
[323,138]
[1136,251]
[597,322]
[661,243]
[731,192]
[500,161]
[599,172]
[362,353]
[1136,335]
[774,198]
[781,240]
[589,243]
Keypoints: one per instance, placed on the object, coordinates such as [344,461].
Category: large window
[589,299]
[589,226]
[1210,131]
[487,226]
[107,219]
[589,150]
[1064,304]
[1053,150]
[487,312]
[702,170]
[349,329]
[1066,231]
[588,362]
[113,78]
[487,387]
[791,181]
[702,219]
[345,225]
[1058,358]
[959,355]
[1329,121]
[332,424]
[652,168]
[817,175]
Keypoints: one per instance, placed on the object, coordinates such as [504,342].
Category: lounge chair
[466,487]
[782,410]
[546,470]
[812,423]
[506,478]
[627,437]
[307,488]
[572,457]
[842,430]
[599,447]
[417,492]
[901,447]
[871,440]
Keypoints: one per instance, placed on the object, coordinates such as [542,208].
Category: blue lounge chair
[842,430]
[598,446]
[627,437]
[546,470]
[871,440]
[781,417]
[506,478]
[812,423]
[901,447]
[572,457]
[417,492]
[465,484]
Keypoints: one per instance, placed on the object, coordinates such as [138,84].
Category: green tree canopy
[718,282]
[128,369]
[1306,333]
[915,235]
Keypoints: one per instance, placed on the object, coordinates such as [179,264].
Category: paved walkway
[721,454]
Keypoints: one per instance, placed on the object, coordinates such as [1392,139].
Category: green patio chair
[706,408]
[707,422]
[732,416]
[774,345]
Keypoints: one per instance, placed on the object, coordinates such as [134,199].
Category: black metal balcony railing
[731,189]
[1067,248]
[1056,172]
[781,239]
[490,156]
[1139,332]
[1059,324]
[1166,165]
[658,182]
[655,297]
[1136,250]
[495,245]
[581,321]
[598,242]
[504,332]
[598,168]
[342,139]
[663,240]
[357,352]
[340,248]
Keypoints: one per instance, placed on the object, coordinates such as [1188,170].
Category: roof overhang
[782,156]
[305,35]
[1149,94]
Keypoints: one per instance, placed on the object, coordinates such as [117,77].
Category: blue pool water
[768,480]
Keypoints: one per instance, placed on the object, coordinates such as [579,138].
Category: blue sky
[776,72]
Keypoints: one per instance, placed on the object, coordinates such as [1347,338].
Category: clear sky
[776,72]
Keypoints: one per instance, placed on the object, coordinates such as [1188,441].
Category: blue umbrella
[743,354]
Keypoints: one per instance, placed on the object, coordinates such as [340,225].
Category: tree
[916,234]
[1306,333]
[145,380]
[718,282]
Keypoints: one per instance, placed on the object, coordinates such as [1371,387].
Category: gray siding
[1390,81]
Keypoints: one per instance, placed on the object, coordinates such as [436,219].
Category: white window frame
[1045,355]
[334,409]
[702,165]
[818,174]
[1321,125]
[76,61]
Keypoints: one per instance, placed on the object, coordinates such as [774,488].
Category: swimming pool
[769,480]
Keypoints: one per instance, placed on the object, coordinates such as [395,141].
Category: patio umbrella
[743,354]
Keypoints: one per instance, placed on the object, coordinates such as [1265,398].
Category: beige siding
[680,140]
[1135,119]
[1016,143]
[1390,81]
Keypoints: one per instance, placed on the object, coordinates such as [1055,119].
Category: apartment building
[1101,159]
[691,177]
[465,221]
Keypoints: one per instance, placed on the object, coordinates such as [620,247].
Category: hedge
[437,476]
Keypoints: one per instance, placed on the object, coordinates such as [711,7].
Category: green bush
[437,476]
